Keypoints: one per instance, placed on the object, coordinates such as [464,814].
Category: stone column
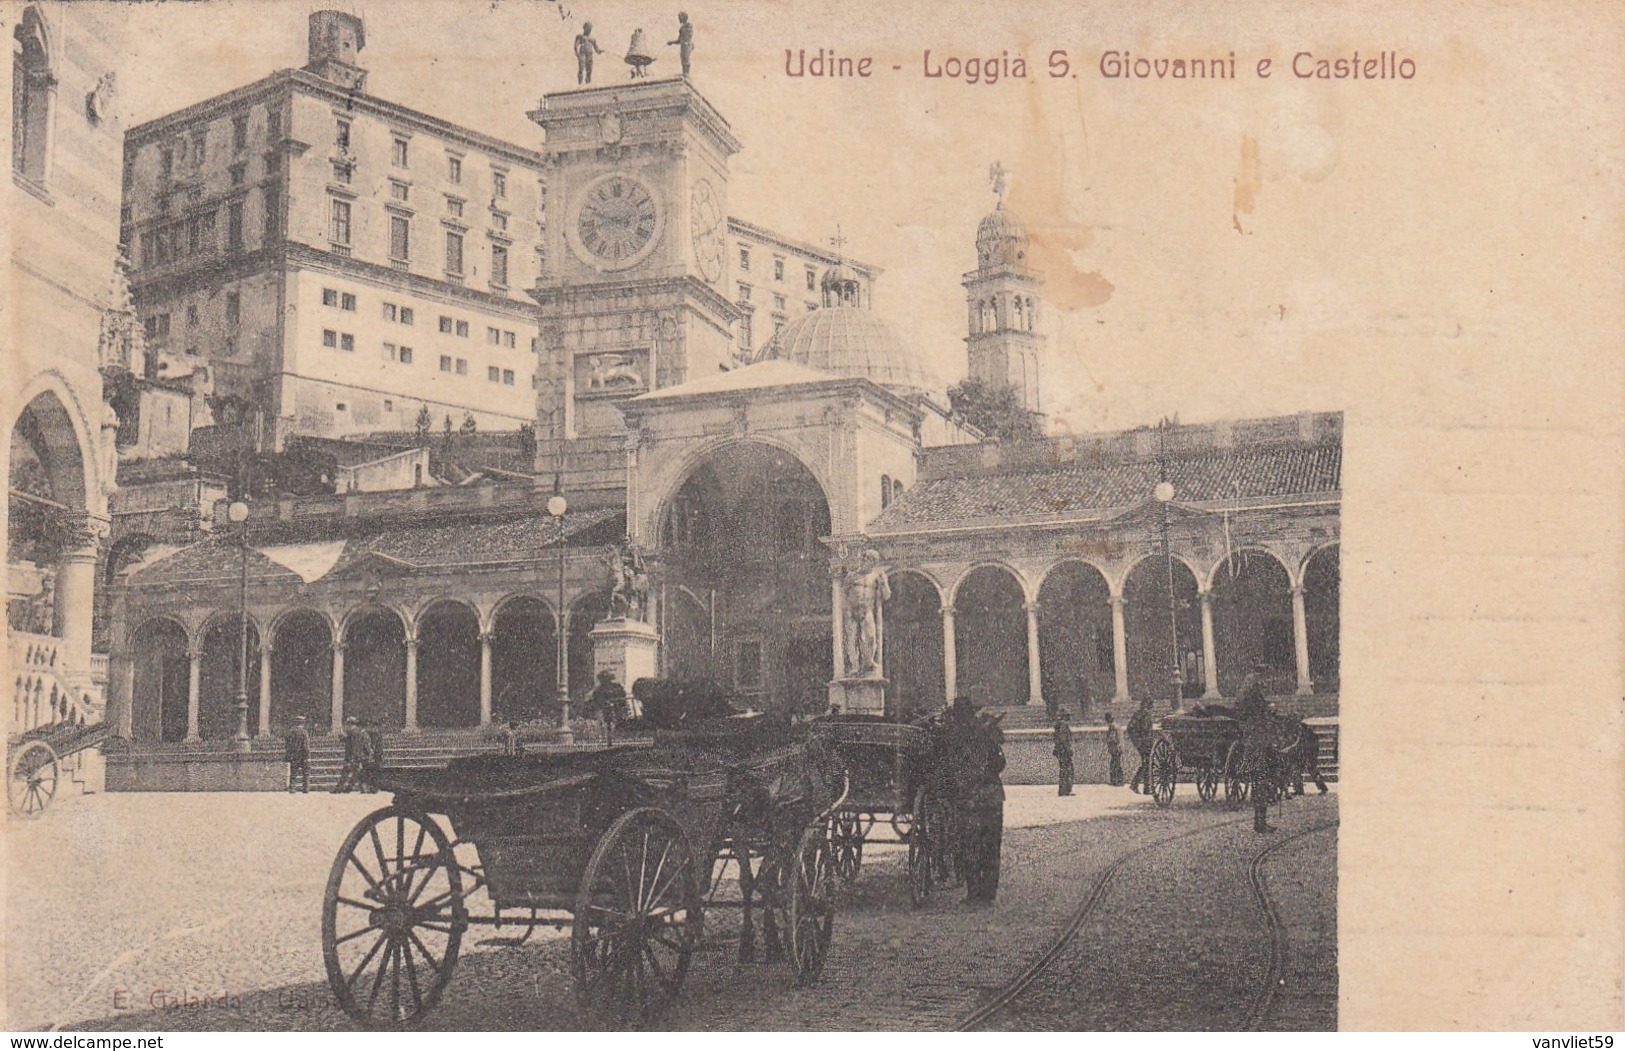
[1210,656]
[337,729]
[1300,640]
[950,660]
[194,672]
[1035,672]
[1119,649]
[265,688]
[75,597]
[838,626]
[485,678]
[411,682]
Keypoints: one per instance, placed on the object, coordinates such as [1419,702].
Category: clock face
[707,232]
[615,223]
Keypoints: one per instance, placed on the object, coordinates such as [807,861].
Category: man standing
[357,753]
[976,757]
[608,700]
[1114,752]
[1139,735]
[1063,755]
[298,755]
[685,39]
[1253,713]
[586,48]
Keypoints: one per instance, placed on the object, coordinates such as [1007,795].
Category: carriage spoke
[372,883]
[358,932]
[383,937]
[384,875]
[412,975]
[654,881]
[428,957]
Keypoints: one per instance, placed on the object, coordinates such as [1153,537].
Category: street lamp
[557,505]
[238,513]
[1164,493]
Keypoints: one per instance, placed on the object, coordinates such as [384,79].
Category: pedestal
[858,696]
[629,648]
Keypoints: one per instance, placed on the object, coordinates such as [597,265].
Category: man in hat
[608,699]
[297,751]
[357,754]
[975,750]
[1063,755]
[1114,752]
[1139,735]
[1257,759]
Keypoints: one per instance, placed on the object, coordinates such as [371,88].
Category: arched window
[885,491]
[896,490]
[32,89]
[1030,315]
[1021,315]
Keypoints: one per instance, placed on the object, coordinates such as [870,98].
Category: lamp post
[557,505]
[238,513]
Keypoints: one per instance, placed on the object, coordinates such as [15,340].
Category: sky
[1211,249]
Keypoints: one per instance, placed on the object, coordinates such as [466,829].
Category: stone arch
[1154,632]
[670,479]
[990,563]
[585,612]
[448,665]
[686,635]
[160,679]
[1075,638]
[1252,620]
[990,635]
[913,642]
[1321,579]
[302,670]
[524,658]
[374,640]
[220,662]
[71,436]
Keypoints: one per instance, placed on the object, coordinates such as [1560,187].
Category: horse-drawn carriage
[889,764]
[1204,746]
[625,847]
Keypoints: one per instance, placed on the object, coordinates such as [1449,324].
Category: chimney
[336,40]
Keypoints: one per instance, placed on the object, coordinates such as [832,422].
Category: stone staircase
[424,750]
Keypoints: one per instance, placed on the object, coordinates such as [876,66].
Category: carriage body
[618,846]
[1202,746]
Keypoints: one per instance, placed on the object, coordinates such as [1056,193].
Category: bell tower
[1002,294]
[631,296]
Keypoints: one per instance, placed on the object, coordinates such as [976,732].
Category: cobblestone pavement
[179,912]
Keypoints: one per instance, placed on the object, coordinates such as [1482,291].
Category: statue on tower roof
[996,174]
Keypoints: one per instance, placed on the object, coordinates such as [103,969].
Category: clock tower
[631,296]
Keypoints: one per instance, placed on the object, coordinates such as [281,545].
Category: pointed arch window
[33,91]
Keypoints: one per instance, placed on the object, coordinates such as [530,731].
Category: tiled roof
[1077,489]
[507,539]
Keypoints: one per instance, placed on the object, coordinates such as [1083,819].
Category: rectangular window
[493,336]
[493,374]
[812,280]
[778,269]
[499,183]
[329,338]
[507,377]
[400,240]
[342,140]
[778,302]
[347,342]
[499,266]
[454,207]
[341,174]
[234,309]
[744,292]
[462,329]
[239,132]
[454,169]
[499,222]
[406,355]
[462,366]
[407,315]
[400,191]
[509,340]
[390,353]
[445,325]
[744,259]
[234,227]
[330,297]
[397,153]
[273,215]
[445,363]
[340,233]
[744,333]
[347,302]
[390,312]
[341,407]
[389,404]
[454,253]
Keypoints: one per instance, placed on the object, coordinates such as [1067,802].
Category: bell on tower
[1004,341]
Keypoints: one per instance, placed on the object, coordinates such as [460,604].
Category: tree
[995,410]
[469,426]
[424,422]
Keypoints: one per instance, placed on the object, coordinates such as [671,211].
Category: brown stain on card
[1249,179]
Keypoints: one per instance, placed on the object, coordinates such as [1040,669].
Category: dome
[851,341]
[1000,238]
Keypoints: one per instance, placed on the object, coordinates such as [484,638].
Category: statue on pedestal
[630,597]
[864,591]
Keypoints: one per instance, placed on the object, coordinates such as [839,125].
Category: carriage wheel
[809,905]
[922,851]
[1164,772]
[31,781]
[1207,782]
[846,834]
[1235,782]
[637,918]
[392,918]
